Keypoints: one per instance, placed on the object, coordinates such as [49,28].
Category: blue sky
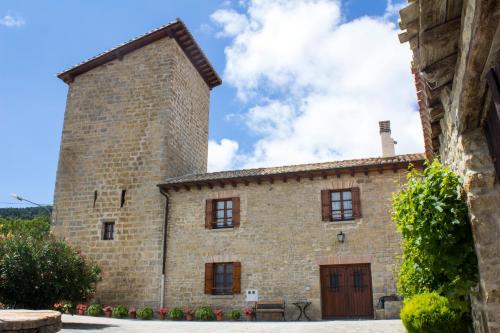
[274,100]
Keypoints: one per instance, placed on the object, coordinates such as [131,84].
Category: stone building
[132,193]
[456,54]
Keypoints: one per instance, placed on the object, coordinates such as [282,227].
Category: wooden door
[346,291]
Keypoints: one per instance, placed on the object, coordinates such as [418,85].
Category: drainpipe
[164,252]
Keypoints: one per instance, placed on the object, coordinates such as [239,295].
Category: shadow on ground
[86,326]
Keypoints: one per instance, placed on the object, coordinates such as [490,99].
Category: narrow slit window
[108,231]
[95,197]
[122,198]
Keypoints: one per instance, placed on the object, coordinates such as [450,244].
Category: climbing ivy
[438,251]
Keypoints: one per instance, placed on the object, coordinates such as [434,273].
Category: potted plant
[95,310]
[175,314]
[59,307]
[235,314]
[248,311]
[189,312]
[162,312]
[108,311]
[81,308]
[119,311]
[219,314]
[145,313]
[204,313]
[132,313]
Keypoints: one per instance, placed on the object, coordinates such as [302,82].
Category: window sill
[348,222]
[222,229]
[222,296]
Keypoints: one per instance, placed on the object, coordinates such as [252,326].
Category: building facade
[456,63]
[133,194]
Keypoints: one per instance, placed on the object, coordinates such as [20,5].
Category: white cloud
[232,23]
[12,20]
[221,155]
[317,86]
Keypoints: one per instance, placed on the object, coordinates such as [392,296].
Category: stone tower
[135,115]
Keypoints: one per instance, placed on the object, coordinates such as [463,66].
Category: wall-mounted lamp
[341,237]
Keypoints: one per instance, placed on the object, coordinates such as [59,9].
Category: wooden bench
[270,307]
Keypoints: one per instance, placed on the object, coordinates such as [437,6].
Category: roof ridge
[188,45]
[381,160]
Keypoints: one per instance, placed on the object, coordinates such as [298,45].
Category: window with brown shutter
[326,205]
[209,213]
[209,278]
[222,213]
[223,278]
[340,205]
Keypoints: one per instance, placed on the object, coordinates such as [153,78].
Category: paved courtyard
[84,324]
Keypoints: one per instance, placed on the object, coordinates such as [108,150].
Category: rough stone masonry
[137,117]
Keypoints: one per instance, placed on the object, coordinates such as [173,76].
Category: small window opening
[334,281]
[122,200]
[358,279]
[108,230]
[95,197]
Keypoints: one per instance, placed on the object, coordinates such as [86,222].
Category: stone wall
[129,124]
[463,147]
[281,240]
[467,153]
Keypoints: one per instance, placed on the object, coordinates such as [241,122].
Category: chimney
[385,137]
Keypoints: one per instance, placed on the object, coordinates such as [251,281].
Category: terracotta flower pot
[107,314]
[189,316]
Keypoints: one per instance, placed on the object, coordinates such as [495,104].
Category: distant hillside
[24,213]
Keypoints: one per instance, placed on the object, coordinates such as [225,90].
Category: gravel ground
[85,324]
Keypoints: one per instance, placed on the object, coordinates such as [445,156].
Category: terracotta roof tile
[175,29]
[365,163]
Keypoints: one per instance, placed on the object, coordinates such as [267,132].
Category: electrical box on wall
[252,295]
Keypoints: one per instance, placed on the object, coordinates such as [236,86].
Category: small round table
[302,306]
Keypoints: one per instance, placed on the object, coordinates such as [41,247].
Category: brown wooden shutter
[356,202]
[326,205]
[236,211]
[209,278]
[236,277]
[209,213]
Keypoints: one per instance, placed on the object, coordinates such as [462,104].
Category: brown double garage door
[346,291]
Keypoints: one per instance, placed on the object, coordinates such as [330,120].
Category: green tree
[37,227]
[25,212]
[36,273]
[438,251]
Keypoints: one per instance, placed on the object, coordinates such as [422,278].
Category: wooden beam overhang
[176,30]
[432,28]
[298,175]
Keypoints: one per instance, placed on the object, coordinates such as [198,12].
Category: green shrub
[37,273]
[204,313]
[95,310]
[120,311]
[432,313]
[235,314]
[145,313]
[438,252]
[175,314]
